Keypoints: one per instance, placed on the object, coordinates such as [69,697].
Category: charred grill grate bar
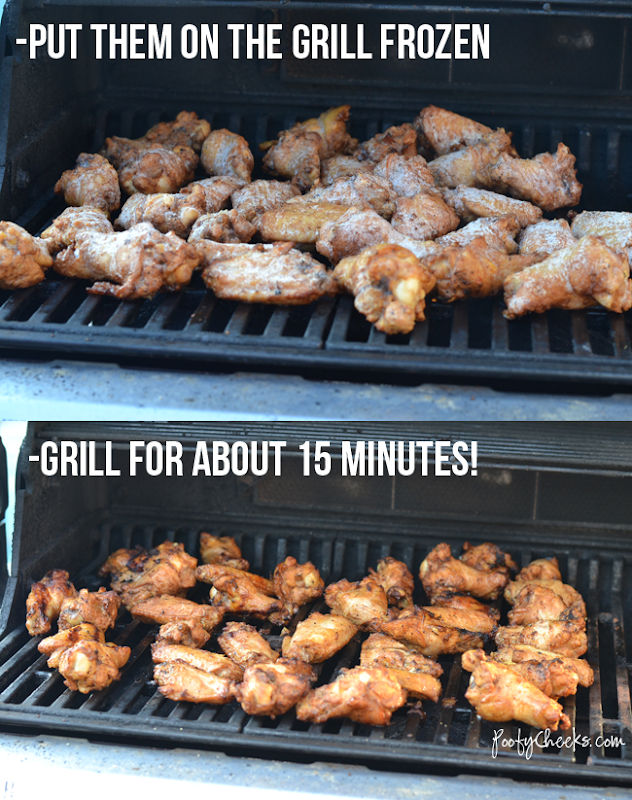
[447,733]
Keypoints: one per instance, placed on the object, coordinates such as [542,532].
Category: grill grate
[447,733]
[467,340]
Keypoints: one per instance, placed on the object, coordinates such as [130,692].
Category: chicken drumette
[221,550]
[342,167]
[54,646]
[226,153]
[396,580]
[217,191]
[98,608]
[541,569]
[23,258]
[363,603]
[91,666]
[273,689]
[318,637]
[93,182]
[166,212]
[487,556]
[498,232]
[553,676]
[45,600]
[245,645]
[297,584]
[189,633]
[521,653]
[295,157]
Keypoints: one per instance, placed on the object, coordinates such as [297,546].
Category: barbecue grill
[576,90]
[558,491]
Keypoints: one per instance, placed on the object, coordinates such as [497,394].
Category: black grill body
[344,526]
[577,90]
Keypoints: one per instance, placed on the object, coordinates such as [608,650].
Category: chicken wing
[278,274]
[186,129]
[544,569]
[217,191]
[469,166]
[45,600]
[440,572]
[364,603]
[295,156]
[464,602]
[408,175]
[389,284]
[577,277]
[93,182]
[499,233]
[297,584]
[331,126]
[98,608]
[400,139]
[226,153]
[342,167]
[130,265]
[179,681]
[568,638]
[166,212]
[298,222]
[140,574]
[522,652]
[551,676]
[89,666]
[189,634]
[72,221]
[535,603]
[545,238]
[54,646]
[273,689]
[500,695]
[156,169]
[228,227]
[362,189]
[366,695]
[470,204]
[407,667]
[487,556]
[424,216]
[549,181]
[221,550]
[423,631]
[462,619]
[219,665]
[396,580]
[240,592]
[23,258]
[614,227]
[568,594]
[166,608]
[245,645]
[318,637]
[447,131]
[254,199]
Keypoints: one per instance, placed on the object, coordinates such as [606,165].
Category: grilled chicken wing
[217,191]
[340,166]
[577,277]
[91,666]
[549,181]
[297,584]
[569,595]
[396,580]
[156,169]
[166,608]
[131,265]
[551,676]
[544,569]
[440,572]
[254,199]
[298,222]
[318,637]
[545,238]
[407,175]
[273,689]
[422,630]
[535,603]
[389,284]
[180,681]
[520,653]
[54,646]
[614,227]
[366,695]
[240,592]
[469,166]
[221,550]
[98,608]
[278,274]
[140,574]
[364,603]
[226,153]
[219,665]
[72,221]
[424,216]
[295,157]
[447,131]
[470,204]
[245,645]
[189,634]
[464,602]
[45,600]
[464,620]
[23,258]
[410,669]
[568,638]
[499,695]
[93,182]
[487,556]
[362,189]
[400,139]
[499,233]
[166,212]
[225,226]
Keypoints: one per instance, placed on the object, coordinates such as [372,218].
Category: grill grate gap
[520,334]
[600,332]
[439,324]
[220,316]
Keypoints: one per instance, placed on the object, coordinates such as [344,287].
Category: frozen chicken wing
[341,166]
[23,258]
[319,637]
[156,169]
[614,227]
[424,216]
[45,600]
[470,204]
[217,191]
[295,157]
[545,238]
[331,126]
[225,226]
[65,228]
[361,189]
[400,139]
[186,129]
[499,233]
[93,182]
[254,199]
[407,175]
[298,222]
[447,131]
[227,153]
[468,166]
[166,212]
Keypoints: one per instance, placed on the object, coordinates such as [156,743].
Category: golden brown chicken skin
[273,689]
[396,580]
[469,166]
[522,652]
[89,666]
[131,265]
[361,189]
[500,695]
[470,204]
[227,153]
[297,584]
[278,274]
[93,182]
[45,600]
[424,216]
[567,593]
[535,603]
[140,574]
[341,166]
[180,681]
[408,175]
[239,592]
[217,191]
[389,285]
[545,238]
[440,572]
[363,694]
[551,676]
[541,569]
[189,634]
[245,645]
[54,646]
[219,665]
[422,630]
[568,638]
[487,556]
[166,212]
[447,131]
[295,157]
[221,550]
[319,637]
[400,139]
[254,199]
[166,608]
[225,226]
[548,181]
[72,221]
[464,620]
[156,169]
[363,603]
[98,608]
[23,258]
[382,651]
[298,222]
[464,602]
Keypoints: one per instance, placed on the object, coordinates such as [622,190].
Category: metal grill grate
[447,733]
[467,340]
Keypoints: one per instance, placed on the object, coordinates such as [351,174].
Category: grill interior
[446,733]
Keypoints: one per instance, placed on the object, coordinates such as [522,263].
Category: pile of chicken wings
[537,660]
[441,207]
